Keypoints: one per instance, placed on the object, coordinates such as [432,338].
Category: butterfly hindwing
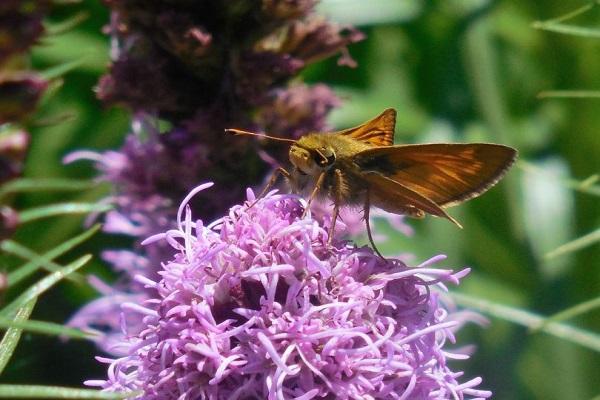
[396,198]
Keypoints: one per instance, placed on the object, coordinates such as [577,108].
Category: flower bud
[13,149]
[9,221]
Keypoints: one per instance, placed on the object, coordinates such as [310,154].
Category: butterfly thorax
[315,154]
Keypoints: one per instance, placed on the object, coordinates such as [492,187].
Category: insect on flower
[361,166]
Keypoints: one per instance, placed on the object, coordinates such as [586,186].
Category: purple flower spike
[256,306]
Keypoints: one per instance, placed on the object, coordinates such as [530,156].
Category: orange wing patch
[446,174]
[377,132]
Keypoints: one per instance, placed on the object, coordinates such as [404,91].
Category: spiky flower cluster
[256,305]
[203,67]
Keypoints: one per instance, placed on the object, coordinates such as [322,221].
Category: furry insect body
[322,153]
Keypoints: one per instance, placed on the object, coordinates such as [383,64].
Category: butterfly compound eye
[324,157]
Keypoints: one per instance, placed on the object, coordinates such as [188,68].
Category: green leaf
[360,12]
[55,119]
[530,320]
[570,14]
[11,337]
[577,244]
[568,29]
[570,312]
[29,268]
[45,185]
[67,24]
[74,45]
[46,328]
[62,69]
[570,94]
[57,392]
[33,214]
[43,284]
[15,248]
[555,25]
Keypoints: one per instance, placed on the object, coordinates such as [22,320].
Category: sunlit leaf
[577,244]
[45,185]
[568,29]
[67,24]
[62,69]
[55,119]
[12,335]
[15,248]
[530,320]
[571,14]
[74,45]
[571,312]
[29,268]
[573,94]
[57,392]
[555,25]
[46,328]
[36,213]
[43,284]
[359,12]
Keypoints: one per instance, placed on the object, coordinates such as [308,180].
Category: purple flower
[203,67]
[297,110]
[256,306]
[179,58]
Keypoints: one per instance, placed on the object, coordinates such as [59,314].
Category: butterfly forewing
[377,132]
[446,174]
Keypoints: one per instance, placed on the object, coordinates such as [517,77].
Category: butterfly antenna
[239,132]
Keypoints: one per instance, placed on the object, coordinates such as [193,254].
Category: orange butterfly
[361,166]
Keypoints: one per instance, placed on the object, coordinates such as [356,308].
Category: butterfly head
[310,159]
[310,154]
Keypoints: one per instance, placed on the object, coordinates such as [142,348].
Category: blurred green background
[456,70]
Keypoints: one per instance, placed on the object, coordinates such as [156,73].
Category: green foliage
[55,392]
[533,322]
[13,334]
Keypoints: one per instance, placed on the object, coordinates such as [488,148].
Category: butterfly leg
[313,194]
[368,223]
[339,182]
[274,176]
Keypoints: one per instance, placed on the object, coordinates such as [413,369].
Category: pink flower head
[256,305]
